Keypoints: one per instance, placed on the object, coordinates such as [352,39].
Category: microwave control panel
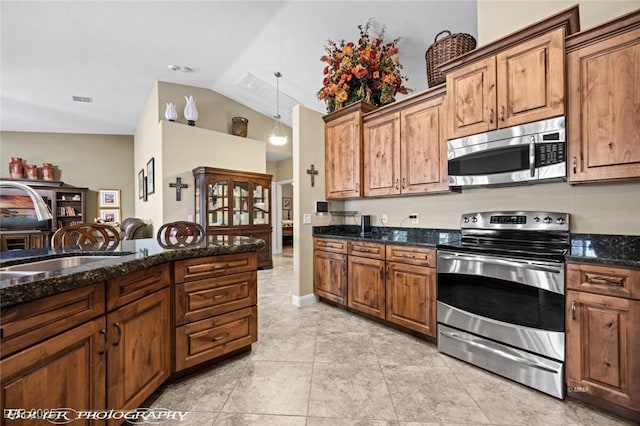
[549,153]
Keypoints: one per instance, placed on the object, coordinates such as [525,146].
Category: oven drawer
[532,370]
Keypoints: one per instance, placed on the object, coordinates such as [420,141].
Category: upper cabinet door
[342,157]
[382,155]
[472,98]
[423,148]
[531,80]
[604,109]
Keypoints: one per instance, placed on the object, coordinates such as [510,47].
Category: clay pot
[47,171]
[16,168]
[32,171]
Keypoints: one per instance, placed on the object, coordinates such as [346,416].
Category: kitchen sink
[55,264]
[7,275]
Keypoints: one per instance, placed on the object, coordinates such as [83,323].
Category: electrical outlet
[306,219]
[190,217]
[384,218]
[415,219]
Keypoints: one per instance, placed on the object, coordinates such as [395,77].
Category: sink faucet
[42,210]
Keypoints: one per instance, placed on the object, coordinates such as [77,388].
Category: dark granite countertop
[615,250]
[600,249]
[417,237]
[129,256]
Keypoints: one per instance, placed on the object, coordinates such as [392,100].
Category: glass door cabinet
[231,202]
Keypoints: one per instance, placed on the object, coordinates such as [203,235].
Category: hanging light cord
[278,74]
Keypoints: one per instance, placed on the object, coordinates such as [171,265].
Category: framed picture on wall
[141,188]
[286,203]
[151,185]
[110,215]
[108,198]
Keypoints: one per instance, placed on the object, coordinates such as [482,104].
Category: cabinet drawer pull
[221,337]
[403,181]
[357,186]
[599,279]
[103,333]
[575,165]
[491,115]
[573,309]
[223,266]
[502,113]
[119,330]
[397,184]
[221,295]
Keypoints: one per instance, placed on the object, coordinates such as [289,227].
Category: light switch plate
[306,218]
[190,217]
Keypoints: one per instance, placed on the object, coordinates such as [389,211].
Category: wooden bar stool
[95,235]
[180,234]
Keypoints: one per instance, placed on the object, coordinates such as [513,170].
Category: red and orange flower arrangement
[368,71]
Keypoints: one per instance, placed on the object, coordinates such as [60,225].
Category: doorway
[283,217]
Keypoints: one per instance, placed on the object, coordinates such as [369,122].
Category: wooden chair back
[97,235]
[180,234]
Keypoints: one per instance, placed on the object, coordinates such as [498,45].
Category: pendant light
[278,136]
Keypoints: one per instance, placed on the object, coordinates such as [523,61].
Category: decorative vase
[170,113]
[16,168]
[32,171]
[239,126]
[47,171]
[191,111]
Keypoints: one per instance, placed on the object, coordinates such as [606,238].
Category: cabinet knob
[491,115]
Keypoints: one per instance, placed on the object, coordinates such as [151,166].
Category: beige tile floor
[322,366]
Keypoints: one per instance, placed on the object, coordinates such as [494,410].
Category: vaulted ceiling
[113,51]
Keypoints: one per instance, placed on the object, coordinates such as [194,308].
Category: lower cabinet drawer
[203,299]
[210,338]
[28,323]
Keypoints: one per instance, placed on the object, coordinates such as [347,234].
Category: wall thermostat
[322,207]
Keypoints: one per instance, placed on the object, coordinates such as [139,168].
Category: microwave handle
[532,156]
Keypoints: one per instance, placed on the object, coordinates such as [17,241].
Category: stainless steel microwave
[528,153]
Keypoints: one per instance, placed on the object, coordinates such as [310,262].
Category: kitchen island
[105,334]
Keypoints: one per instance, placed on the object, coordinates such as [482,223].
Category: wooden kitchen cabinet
[411,288]
[404,148]
[215,307]
[366,280]
[67,370]
[343,151]
[517,85]
[139,354]
[603,336]
[603,68]
[330,269]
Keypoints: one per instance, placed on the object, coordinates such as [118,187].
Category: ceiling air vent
[82,99]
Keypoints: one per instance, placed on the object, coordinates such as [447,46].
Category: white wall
[496,19]
[148,144]
[185,148]
[308,148]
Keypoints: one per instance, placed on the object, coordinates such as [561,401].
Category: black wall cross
[178,186]
[313,172]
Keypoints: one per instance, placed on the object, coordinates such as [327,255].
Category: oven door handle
[501,352]
[501,262]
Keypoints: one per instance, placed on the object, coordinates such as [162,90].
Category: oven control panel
[522,220]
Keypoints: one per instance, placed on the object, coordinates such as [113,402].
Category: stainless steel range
[501,296]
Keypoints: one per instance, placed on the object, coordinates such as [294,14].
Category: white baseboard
[304,300]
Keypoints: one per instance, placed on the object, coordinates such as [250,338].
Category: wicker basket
[443,50]
[239,126]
